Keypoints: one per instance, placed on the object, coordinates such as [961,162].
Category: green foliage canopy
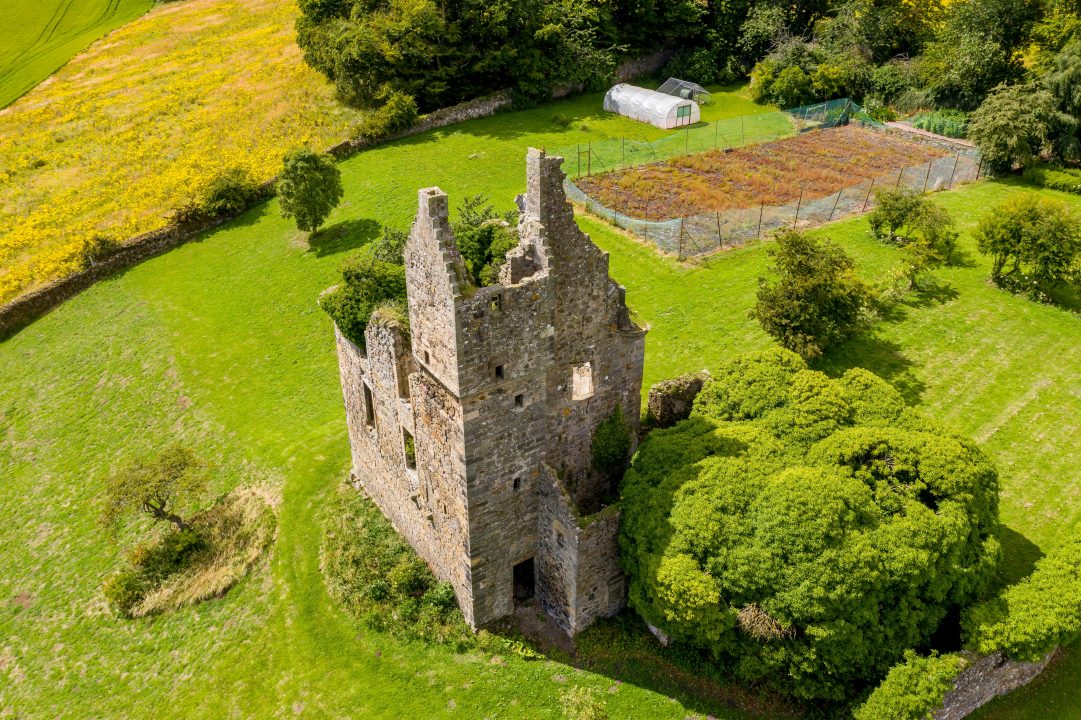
[1034,236]
[161,487]
[367,283]
[1036,615]
[816,300]
[1018,123]
[803,530]
[309,187]
[912,690]
[921,227]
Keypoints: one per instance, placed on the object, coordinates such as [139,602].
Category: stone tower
[472,430]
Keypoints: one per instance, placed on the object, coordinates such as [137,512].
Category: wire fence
[602,155]
[694,235]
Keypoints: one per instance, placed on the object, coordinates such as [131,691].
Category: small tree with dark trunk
[160,488]
[309,187]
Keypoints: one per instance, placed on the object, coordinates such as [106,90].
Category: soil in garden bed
[820,162]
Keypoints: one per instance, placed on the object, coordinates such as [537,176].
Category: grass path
[41,35]
[220,342]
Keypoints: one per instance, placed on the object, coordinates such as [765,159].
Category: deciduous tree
[309,187]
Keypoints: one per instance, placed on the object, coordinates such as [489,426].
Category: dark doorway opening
[524,581]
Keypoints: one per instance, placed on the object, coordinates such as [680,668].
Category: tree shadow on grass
[1019,556]
[880,356]
[623,650]
[344,236]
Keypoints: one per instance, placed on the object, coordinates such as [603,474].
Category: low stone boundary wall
[986,678]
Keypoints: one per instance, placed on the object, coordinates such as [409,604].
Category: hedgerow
[806,531]
[913,689]
[1038,614]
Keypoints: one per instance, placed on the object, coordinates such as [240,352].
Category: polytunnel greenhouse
[650,106]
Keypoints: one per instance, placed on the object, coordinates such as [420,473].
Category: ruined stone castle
[472,429]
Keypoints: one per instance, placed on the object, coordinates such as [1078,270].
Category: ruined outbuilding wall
[987,677]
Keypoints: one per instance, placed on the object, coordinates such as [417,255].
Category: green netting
[704,233]
[602,154]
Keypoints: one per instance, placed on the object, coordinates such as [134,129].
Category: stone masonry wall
[592,332]
[426,505]
[987,677]
[601,585]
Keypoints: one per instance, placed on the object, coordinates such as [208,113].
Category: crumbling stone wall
[987,677]
[494,385]
[671,400]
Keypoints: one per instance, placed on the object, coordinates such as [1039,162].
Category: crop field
[220,343]
[812,165]
[41,35]
[141,122]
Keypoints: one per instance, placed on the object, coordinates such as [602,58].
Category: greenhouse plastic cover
[648,106]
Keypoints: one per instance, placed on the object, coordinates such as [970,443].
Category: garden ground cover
[41,35]
[813,165]
[220,343]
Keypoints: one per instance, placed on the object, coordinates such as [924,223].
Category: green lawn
[220,342]
[41,35]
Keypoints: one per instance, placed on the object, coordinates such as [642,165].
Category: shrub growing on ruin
[805,531]
[815,301]
[611,446]
[390,247]
[309,187]
[230,193]
[1038,614]
[913,689]
[484,238]
[367,283]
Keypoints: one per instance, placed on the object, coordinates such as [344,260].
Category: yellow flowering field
[142,121]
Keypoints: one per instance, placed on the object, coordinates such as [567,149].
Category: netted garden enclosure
[689,194]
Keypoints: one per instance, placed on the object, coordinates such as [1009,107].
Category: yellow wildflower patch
[142,122]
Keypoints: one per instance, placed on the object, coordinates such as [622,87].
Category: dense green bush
[920,227]
[150,564]
[611,446]
[367,283]
[806,531]
[230,193]
[398,113]
[817,298]
[1063,179]
[951,123]
[390,247]
[1030,238]
[1017,124]
[97,247]
[912,690]
[309,188]
[1038,614]
[380,580]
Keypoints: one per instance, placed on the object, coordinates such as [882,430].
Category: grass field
[142,122]
[41,35]
[220,342]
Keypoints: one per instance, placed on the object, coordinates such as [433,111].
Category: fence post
[680,239]
[798,206]
[589,158]
[956,162]
[898,183]
[835,204]
[980,168]
[578,152]
[927,176]
[716,130]
[718,228]
[761,211]
[868,198]
[687,141]
[623,151]
[742,132]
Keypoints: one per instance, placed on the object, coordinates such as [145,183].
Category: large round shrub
[806,530]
